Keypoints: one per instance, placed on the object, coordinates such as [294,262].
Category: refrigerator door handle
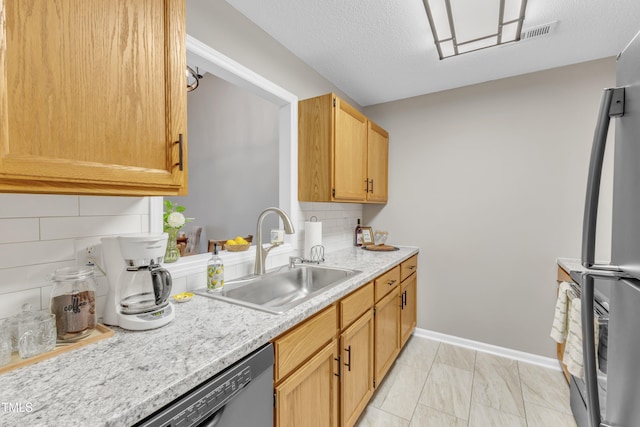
[611,105]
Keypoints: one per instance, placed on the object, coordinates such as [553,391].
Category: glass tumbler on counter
[5,343]
[37,334]
[73,301]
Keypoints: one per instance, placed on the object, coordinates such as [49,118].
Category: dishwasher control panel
[211,399]
[206,402]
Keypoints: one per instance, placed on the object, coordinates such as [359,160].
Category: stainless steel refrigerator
[609,394]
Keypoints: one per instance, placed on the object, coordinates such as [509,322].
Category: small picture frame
[367,236]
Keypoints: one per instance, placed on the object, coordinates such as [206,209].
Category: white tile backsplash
[35,206]
[41,233]
[83,226]
[19,230]
[94,205]
[39,252]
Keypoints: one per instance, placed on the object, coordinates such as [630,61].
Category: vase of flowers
[173,219]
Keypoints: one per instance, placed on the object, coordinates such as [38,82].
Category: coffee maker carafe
[139,287]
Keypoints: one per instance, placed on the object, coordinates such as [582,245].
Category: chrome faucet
[261,253]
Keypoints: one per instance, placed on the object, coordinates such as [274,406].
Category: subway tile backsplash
[41,233]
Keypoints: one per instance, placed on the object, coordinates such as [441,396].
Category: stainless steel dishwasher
[241,395]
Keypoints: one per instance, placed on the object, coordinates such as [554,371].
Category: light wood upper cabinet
[349,161]
[377,163]
[342,155]
[93,97]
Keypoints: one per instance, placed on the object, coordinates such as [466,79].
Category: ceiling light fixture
[462,26]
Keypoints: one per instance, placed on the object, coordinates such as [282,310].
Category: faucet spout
[261,253]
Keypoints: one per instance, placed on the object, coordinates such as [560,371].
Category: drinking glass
[37,335]
[5,343]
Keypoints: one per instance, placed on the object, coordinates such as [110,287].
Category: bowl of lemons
[239,244]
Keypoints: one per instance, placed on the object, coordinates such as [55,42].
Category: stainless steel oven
[241,395]
[578,387]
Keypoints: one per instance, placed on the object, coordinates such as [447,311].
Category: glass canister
[73,301]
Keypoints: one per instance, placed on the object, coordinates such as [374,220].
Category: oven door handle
[589,349]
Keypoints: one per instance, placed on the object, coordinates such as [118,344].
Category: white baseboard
[534,359]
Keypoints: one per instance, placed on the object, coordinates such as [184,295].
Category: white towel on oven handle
[560,327]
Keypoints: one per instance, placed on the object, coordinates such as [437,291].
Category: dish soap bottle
[215,271]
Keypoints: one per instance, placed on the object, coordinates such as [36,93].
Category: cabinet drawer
[300,343]
[408,267]
[386,282]
[352,306]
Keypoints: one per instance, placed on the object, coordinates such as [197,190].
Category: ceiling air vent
[539,31]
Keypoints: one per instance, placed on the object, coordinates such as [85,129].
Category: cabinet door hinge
[274,400]
[374,312]
[334,102]
[333,192]
[374,383]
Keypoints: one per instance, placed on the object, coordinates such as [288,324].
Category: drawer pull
[412,267]
[391,282]
[348,364]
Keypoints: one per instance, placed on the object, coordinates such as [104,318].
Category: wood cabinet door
[92,96]
[356,350]
[309,397]
[377,163]
[387,333]
[349,153]
[408,313]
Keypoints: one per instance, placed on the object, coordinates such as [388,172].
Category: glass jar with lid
[73,301]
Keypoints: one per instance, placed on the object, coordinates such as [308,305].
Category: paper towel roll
[312,237]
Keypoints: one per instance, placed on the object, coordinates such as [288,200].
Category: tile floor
[434,384]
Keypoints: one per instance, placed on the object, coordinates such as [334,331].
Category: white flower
[176,220]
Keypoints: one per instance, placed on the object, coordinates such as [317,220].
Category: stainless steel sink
[282,289]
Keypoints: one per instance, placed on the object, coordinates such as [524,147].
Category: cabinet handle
[337,359]
[391,282]
[371,180]
[348,364]
[366,182]
[404,299]
[179,142]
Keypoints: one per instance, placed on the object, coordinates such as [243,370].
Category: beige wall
[489,181]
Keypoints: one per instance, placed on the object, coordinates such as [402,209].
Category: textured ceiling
[382,50]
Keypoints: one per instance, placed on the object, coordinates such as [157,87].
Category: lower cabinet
[356,380]
[327,367]
[309,397]
[387,333]
[408,295]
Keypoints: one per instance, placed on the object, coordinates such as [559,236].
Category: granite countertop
[122,379]
[569,264]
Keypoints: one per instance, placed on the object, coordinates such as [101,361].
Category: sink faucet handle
[293,259]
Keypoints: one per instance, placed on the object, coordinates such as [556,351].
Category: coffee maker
[139,287]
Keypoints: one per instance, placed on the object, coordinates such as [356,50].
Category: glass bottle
[215,271]
[358,235]
[73,301]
